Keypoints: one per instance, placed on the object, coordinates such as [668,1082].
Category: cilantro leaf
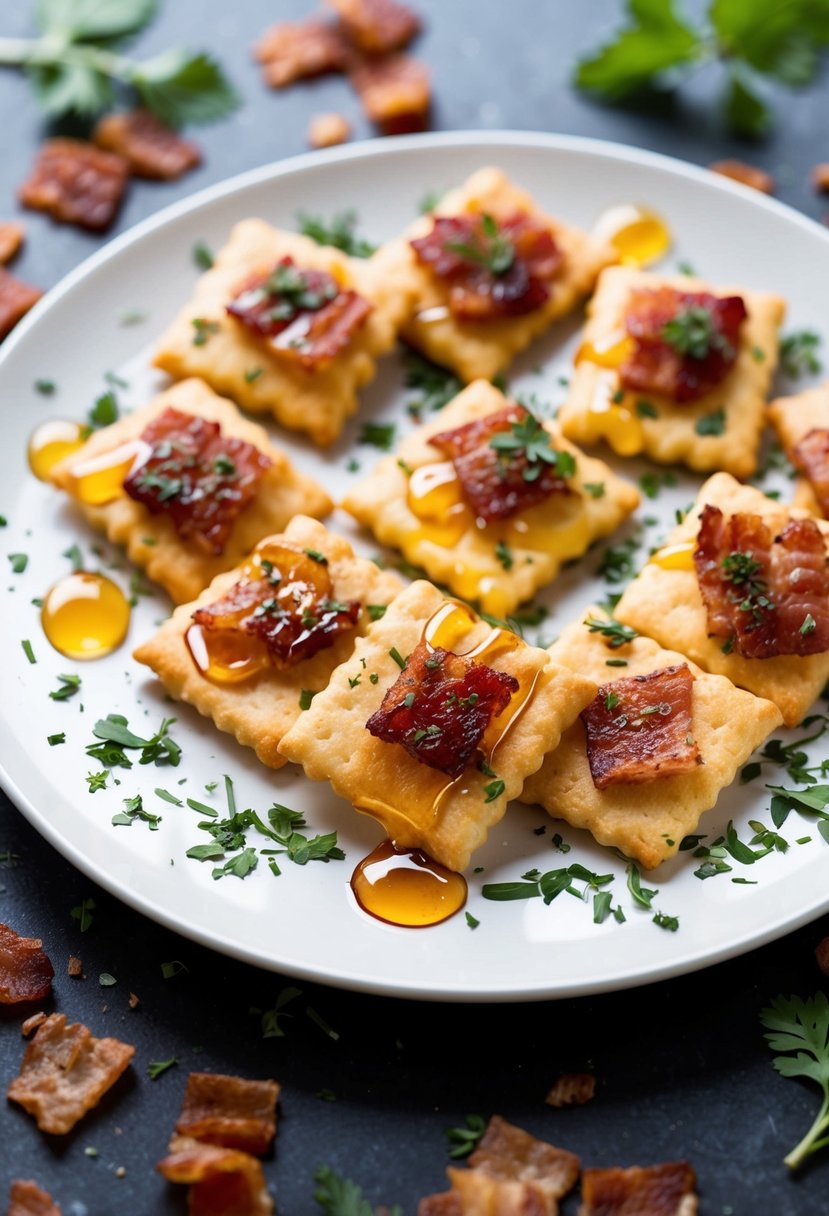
[799,1032]
[339,1196]
[654,41]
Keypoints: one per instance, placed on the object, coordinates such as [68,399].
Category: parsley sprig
[692,332]
[491,248]
[529,438]
[799,1033]
[339,232]
[115,739]
[339,1196]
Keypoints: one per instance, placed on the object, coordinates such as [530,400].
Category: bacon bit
[811,456]
[440,706]
[572,1089]
[11,238]
[446,1203]
[747,175]
[288,607]
[229,1111]
[822,955]
[74,967]
[133,1001]
[76,183]
[657,366]
[150,148]
[498,484]
[25,971]
[302,314]
[65,1072]
[658,1190]
[198,477]
[328,130]
[640,728]
[766,595]
[16,298]
[493,268]
[33,1023]
[223,1181]
[820,178]
[395,93]
[377,27]
[28,1199]
[297,50]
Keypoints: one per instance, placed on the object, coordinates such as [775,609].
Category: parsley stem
[811,1142]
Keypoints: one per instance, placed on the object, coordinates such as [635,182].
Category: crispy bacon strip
[492,268]
[223,1181]
[11,238]
[572,1089]
[657,365]
[811,456]
[377,27]
[150,148]
[25,971]
[440,706]
[766,595]
[65,1072]
[202,480]
[640,728]
[297,50]
[16,298]
[229,1111]
[499,482]
[654,1190]
[28,1199]
[76,183]
[395,92]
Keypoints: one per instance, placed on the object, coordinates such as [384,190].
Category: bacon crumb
[28,1199]
[810,455]
[294,51]
[65,1072]
[820,178]
[395,93]
[328,130]
[747,175]
[150,148]
[76,183]
[223,1181]
[654,1190]
[822,955]
[572,1089]
[133,1002]
[25,971]
[74,967]
[377,27]
[11,238]
[16,298]
[33,1023]
[230,1112]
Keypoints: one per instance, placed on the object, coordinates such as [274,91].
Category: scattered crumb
[820,178]
[32,1023]
[134,1002]
[11,238]
[327,130]
[748,175]
[822,955]
[74,967]
[572,1089]
[121,1172]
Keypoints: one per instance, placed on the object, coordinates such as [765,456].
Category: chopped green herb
[239,866]
[471,920]
[54,740]
[134,809]
[28,651]
[436,385]
[494,790]
[671,923]
[18,562]
[203,330]
[106,980]
[504,556]
[614,632]
[612,700]
[202,256]
[45,387]
[306,696]
[395,654]
[376,611]
[104,412]
[156,1067]
[596,489]
[378,434]
[97,781]
[641,895]
[172,968]
[462,1140]
[253,374]
[339,232]
[528,438]
[798,354]
[809,624]
[166,796]
[693,333]
[69,685]
[83,914]
[646,409]
[711,424]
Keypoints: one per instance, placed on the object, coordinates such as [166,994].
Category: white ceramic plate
[305,922]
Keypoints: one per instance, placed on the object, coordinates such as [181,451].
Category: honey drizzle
[406,887]
[100,479]
[676,557]
[639,235]
[85,615]
[52,442]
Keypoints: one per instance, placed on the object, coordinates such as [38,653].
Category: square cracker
[485,348]
[259,711]
[316,402]
[648,821]
[471,566]
[151,540]
[667,605]
[331,742]
[672,437]
[793,418]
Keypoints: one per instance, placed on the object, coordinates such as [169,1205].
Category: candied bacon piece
[572,1089]
[377,26]
[16,298]
[303,314]
[765,595]
[820,178]
[440,706]
[497,484]
[25,971]
[395,93]
[11,238]
[289,610]
[297,50]
[150,148]
[640,728]
[65,1073]
[811,456]
[493,268]
[195,475]
[747,175]
[657,366]
[229,1111]
[653,1190]
[76,183]
[28,1199]
[223,1181]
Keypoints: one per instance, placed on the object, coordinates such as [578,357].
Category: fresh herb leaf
[614,632]
[83,914]
[156,1067]
[69,685]
[798,354]
[203,257]
[18,562]
[494,790]
[339,232]
[203,330]
[642,895]
[799,1034]
[463,1140]
[436,386]
[654,42]
[104,412]
[339,1196]
[711,424]
[529,438]
[504,555]
[378,434]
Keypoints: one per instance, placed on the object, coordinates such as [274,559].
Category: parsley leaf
[654,41]
[462,1140]
[338,1196]
[798,354]
[529,437]
[339,232]
[435,384]
[799,1032]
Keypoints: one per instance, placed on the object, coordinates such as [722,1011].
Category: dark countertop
[682,1068]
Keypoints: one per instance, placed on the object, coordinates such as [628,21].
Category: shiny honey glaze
[639,235]
[100,479]
[52,442]
[85,616]
[676,557]
[612,413]
[406,887]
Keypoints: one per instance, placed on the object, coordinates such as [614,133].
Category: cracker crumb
[747,175]
[572,1089]
[328,130]
[820,178]
[134,1002]
[32,1023]
[74,967]
[11,238]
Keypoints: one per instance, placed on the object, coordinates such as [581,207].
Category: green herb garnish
[799,1033]
[339,232]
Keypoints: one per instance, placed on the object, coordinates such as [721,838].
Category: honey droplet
[406,887]
[50,443]
[85,616]
[676,557]
[612,420]
[639,236]
[100,479]
[225,656]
